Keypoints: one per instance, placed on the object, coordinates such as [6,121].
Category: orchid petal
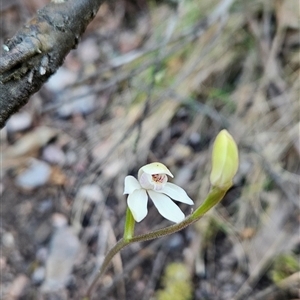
[137,203]
[177,193]
[145,181]
[166,207]
[130,184]
[155,168]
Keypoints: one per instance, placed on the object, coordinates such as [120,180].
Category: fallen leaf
[30,142]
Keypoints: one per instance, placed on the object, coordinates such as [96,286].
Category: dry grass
[191,71]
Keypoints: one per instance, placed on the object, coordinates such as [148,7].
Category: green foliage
[195,10]
[223,96]
[284,266]
[177,283]
[269,184]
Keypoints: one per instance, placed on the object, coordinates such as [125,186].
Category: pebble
[54,155]
[61,79]
[88,50]
[37,174]
[176,241]
[38,275]
[90,192]
[8,240]
[42,254]
[59,220]
[17,288]
[83,105]
[63,249]
[19,121]
[195,138]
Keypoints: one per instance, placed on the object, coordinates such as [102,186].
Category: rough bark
[38,49]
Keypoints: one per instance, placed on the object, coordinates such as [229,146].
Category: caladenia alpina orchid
[153,183]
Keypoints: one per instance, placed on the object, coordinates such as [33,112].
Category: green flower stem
[129,225]
[214,197]
[112,252]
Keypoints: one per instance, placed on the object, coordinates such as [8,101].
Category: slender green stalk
[214,197]
[112,252]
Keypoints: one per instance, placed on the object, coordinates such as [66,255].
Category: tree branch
[38,49]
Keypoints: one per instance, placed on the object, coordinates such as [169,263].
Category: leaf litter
[157,82]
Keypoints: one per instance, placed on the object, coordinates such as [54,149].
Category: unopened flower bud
[225,160]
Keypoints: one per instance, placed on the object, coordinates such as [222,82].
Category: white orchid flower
[153,182]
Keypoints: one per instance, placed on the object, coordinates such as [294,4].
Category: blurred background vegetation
[156,81]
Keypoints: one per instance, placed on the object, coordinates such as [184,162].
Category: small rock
[88,50]
[63,250]
[61,79]
[38,275]
[107,281]
[37,174]
[42,254]
[195,138]
[176,241]
[8,240]
[54,155]
[90,192]
[83,105]
[16,290]
[19,121]
[59,220]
